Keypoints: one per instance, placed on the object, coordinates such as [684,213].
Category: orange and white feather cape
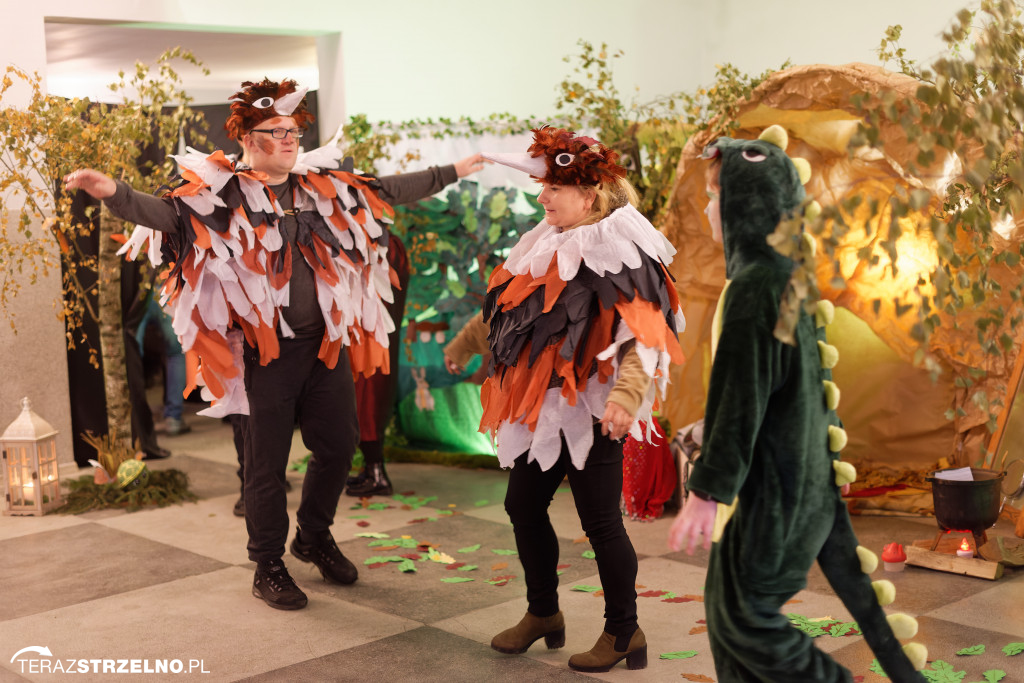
[560,309]
[230,268]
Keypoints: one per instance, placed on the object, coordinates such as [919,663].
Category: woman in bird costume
[581,321]
[767,488]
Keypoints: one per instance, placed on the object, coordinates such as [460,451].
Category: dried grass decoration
[122,480]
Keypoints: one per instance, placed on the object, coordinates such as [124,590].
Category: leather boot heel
[637,659]
[603,656]
[530,629]
[555,639]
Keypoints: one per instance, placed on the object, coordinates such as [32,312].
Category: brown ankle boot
[603,656]
[530,629]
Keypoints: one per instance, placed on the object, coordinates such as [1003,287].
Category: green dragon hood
[760,185]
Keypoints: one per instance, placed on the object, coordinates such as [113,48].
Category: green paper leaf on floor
[589,554]
[877,669]
[456,579]
[585,588]
[1013,649]
[972,650]
[371,534]
[407,566]
[413,501]
[446,512]
[434,555]
[469,548]
[358,516]
[559,572]
[809,626]
[842,629]
[481,503]
[683,654]
[377,506]
[993,675]
[943,672]
[503,551]
[467,568]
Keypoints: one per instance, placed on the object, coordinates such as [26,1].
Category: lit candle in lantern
[965,549]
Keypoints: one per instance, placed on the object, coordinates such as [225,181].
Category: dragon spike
[776,135]
[803,168]
[868,559]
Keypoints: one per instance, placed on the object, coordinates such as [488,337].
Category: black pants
[295,385]
[597,489]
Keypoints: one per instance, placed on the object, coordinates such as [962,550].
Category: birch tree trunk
[115,379]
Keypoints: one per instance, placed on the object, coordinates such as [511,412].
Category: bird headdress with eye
[560,157]
[258,102]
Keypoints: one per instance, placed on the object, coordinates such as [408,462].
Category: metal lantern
[31,484]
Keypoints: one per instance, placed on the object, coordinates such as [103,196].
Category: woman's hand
[470,164]
[616,421]
[451,366]
[696,519]
[92,182]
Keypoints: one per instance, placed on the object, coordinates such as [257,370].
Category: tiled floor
[174,584]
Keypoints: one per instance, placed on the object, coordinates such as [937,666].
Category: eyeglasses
[280,133]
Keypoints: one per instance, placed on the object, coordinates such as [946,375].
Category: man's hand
[94,183]
[470,164]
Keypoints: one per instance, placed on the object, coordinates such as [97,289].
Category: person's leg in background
[375,396]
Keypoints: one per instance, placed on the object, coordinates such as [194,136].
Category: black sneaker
[275,586]
[335,567]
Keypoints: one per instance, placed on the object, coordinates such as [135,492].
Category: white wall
[403,59]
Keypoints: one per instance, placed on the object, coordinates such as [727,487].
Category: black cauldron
[967,505]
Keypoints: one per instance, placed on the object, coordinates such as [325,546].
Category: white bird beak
[535,166]
[287,104]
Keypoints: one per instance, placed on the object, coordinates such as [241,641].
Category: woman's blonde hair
[609,195]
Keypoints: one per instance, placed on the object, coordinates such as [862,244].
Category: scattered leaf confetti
[972,650]
[467,568]
[456,579]
[589,554]
[698,678]
[371,534]
[503,551]
[585,588]
[436,556]
[498,566]
[470,548]
[683,654]
[1013,649]
[501,580]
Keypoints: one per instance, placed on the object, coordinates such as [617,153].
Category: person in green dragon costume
[767,488]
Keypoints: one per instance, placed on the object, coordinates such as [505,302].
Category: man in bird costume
[290,251]
[767,488]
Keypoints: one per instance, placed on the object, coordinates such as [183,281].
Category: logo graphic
[45,651]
